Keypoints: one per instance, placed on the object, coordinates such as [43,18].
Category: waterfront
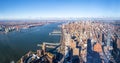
[15,44]
[79,41]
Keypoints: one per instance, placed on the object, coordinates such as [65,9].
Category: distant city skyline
[36,9]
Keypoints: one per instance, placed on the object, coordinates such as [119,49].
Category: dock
[55,32]
[49,45]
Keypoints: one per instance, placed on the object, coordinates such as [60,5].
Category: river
[14,45]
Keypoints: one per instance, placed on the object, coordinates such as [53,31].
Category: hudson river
[14,45]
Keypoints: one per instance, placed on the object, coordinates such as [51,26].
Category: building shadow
[92,56]
[116,51]
[75,59]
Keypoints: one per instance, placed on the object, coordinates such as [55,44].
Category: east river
[14,45]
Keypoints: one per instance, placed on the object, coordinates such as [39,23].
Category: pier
[55,32]
[49,45]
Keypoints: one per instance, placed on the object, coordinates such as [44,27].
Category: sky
[34,9]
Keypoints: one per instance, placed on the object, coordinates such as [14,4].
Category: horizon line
[59,18]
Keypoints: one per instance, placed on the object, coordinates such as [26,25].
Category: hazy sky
[19,9]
